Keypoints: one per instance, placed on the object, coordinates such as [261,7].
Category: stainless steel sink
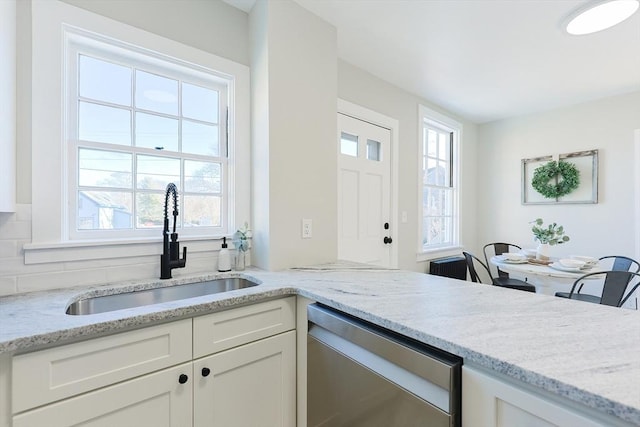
[114,302]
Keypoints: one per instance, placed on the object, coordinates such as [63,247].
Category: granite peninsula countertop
[586,353]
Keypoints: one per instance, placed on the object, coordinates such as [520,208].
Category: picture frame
[587,192]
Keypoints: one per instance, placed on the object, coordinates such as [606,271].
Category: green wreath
[545,173]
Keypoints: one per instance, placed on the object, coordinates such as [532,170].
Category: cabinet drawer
[226,329]
[53,374]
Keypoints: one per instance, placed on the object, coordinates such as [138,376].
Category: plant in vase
[553,234]
[240,240]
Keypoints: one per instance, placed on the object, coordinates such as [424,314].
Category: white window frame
[429,117]
[79,42]
[52,21]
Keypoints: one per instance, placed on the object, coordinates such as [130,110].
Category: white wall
[8,105]
[294,81]
[605,228]
[358,86]
[211,26]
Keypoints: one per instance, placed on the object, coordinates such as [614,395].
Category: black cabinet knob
[387,240]
[183,378]
[206,372]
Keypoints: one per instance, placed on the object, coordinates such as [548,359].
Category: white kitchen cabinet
[489,401]
[244,374]
[251,385]
[154,400]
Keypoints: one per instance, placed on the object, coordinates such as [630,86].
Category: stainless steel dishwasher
[359,374]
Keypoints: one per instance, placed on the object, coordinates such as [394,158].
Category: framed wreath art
[570,178]
[555,179]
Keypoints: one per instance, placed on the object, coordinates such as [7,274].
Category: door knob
[183,378]
[387,240]
[206,372]
[386,225]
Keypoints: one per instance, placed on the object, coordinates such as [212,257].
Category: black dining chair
[498,248]
[614,288]
[473,263]
[620,263]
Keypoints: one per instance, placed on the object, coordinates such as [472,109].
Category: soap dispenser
[224,258]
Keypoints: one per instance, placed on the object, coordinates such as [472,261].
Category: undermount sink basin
[114,302]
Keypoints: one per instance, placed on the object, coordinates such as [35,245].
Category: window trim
[49,19]
[79,42]
[435,118]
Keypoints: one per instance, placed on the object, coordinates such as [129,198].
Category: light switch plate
[307,228]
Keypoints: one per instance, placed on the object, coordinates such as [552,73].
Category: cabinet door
[252,385]
[491,402]
[153,400]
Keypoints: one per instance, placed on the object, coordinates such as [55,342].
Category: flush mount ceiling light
[600,15]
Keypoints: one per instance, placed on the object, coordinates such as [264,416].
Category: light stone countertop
[586,353]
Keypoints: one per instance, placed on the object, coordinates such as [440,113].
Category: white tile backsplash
[16,276]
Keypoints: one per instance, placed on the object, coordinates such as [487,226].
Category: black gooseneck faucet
[170,257]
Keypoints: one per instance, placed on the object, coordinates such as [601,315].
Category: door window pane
[198,138]
[100,123]
[100,168]
[349,144]
[373,150]
[199,103]
[104,210]
[154,172]
[156,132]
[104,81]
[156,93]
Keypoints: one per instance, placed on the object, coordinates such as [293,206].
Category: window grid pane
[104,210]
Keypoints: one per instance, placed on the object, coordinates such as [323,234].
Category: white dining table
[546,279]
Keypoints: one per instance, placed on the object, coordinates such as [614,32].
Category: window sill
[42,253]
[439,253]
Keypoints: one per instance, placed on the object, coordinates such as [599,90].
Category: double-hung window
[136,123]
[118,113]
[438,182]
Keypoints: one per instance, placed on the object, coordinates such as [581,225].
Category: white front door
[364,182]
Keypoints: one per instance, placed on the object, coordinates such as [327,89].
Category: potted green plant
[552,234]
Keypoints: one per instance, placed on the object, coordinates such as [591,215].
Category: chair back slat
[623,263]
[472,261]
[614,287]
[473,274]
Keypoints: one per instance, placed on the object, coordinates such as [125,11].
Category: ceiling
[484,60]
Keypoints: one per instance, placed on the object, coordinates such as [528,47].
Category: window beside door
[439,153]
